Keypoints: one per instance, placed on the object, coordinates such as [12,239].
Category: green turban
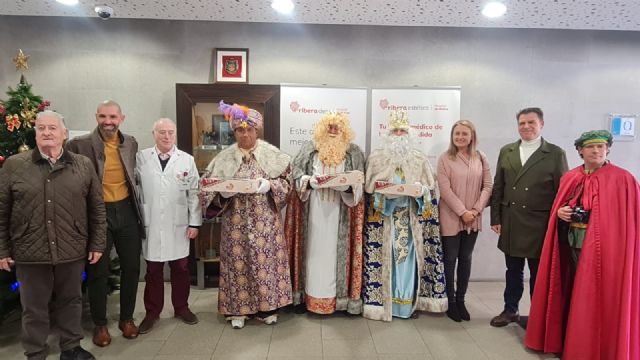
[594,137]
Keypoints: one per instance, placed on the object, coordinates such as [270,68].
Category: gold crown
[398,119]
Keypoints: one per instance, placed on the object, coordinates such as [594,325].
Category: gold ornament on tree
[27,113]
[13,122]
[22,148]
[21,61]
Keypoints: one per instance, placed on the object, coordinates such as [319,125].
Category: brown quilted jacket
[50,215]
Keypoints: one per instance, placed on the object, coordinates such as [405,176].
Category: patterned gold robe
[254,266]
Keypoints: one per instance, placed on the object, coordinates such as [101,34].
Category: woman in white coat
[169,179]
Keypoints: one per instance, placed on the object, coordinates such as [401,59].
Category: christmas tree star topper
[21,61]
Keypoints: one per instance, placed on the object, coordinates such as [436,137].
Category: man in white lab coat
[169,179]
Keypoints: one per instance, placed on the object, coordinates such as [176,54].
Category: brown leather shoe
[101,336]
[146,324]
[188,317]
[505,318]
[128,328]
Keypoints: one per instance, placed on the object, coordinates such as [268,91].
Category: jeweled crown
[398,119]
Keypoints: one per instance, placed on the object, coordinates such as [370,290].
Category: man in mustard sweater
[113,155]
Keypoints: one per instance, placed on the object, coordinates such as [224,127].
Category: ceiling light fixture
[68,2]
[494,9]
[283,6]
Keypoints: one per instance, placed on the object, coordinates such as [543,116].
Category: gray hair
[109,103]
[50,113]
[163,120]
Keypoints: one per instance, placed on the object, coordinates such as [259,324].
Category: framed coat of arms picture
[231,66]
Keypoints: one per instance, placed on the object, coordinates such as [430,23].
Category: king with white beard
[403,259]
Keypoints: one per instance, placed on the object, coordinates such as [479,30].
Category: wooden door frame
[188,95]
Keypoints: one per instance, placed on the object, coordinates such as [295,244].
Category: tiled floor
[308,336]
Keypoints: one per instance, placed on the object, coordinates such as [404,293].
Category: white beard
[398,149]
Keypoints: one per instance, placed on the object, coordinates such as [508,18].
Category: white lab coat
[169,202]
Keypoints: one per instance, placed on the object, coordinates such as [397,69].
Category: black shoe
[147,324]
[299,309]
[188,317]
[462,310]
[77,353]
[453,313]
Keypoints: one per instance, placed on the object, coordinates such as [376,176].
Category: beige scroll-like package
[244,186]
[354,177]
[384,187]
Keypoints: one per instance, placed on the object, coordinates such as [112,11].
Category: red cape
[598,316]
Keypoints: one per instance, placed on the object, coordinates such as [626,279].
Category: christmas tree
[17,115]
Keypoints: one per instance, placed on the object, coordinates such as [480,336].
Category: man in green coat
[527,179]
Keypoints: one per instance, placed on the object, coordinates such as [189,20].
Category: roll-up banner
[302,106]
[431,111]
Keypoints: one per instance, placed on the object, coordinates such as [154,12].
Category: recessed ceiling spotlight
[68,2]
[283,6]
[494,9]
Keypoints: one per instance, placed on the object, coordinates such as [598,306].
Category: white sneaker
[271,319]
[237,323]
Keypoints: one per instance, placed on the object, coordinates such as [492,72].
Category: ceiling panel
[550,14]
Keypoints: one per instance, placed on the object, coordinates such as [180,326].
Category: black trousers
[515,280]
[123,232]
[43,312]
[458,249]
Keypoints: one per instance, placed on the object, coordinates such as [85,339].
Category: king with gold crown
[403,259]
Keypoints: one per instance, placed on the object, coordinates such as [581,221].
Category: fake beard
[332,150]
[397,149]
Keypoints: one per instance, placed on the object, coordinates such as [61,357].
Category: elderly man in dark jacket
[527,179]
[52,219]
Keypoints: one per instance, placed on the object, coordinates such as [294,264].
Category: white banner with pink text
[302,106]
[431,112]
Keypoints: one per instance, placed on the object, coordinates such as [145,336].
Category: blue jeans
[515,280]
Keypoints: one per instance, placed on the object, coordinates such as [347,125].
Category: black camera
[580,215]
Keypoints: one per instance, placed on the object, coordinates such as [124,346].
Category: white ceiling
[549,14]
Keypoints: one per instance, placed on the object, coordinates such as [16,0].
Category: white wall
[577,77]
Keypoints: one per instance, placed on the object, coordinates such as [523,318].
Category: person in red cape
[586,304]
